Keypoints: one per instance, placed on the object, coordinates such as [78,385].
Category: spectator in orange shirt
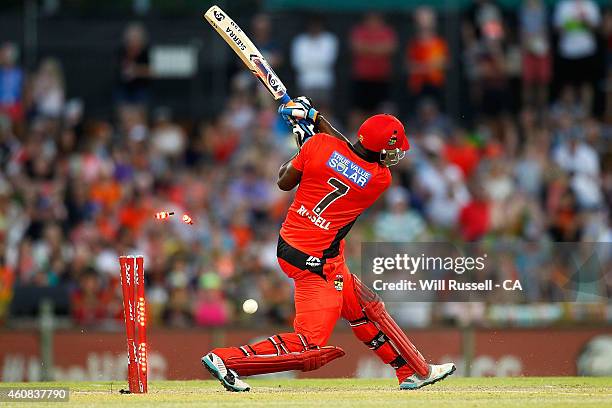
[134,212]
[426,57]
[373,43]
[106,192]
[7,278]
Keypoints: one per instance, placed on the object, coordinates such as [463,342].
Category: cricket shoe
[436,373]
[228,378]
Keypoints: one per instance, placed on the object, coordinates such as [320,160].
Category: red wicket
[141,321]
[134,308]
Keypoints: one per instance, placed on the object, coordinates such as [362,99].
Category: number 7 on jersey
[340,190]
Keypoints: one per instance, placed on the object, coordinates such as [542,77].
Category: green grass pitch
[337,393]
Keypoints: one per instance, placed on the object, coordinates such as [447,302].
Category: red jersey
[373,67]
[336,187]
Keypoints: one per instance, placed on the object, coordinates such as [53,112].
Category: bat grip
[286,98]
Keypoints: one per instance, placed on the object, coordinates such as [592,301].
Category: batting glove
[300,116]
[302,131]
[300,108]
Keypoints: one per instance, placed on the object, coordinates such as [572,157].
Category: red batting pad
[375,311]
[304,361]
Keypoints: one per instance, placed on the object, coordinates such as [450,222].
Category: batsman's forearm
[283,167]
[323,126]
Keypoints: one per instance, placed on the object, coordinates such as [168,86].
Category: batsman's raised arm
[305,120]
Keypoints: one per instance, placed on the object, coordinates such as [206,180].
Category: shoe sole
[215,373]
[432,381]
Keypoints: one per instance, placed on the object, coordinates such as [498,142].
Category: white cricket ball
[250,306]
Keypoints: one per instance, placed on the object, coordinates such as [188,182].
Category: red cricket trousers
[320,300]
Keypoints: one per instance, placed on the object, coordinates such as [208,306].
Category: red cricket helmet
[383,132]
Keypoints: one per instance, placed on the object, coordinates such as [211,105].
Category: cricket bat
[247,51]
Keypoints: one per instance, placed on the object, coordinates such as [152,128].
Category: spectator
[431,120]
[461,152]
[607,32]
[47,93]
[484,60]
[567,107]
[498,182]
[475,216]
[167,138]
[597,227]
[426,57]
[133,71]
[261,26]
[536,53]
[399,223]
[577,22]
[262,36]
[50,255]
[373,44]
[531,165]
[88,303]
[575,156]
[484,23]
[178,309]
[249,191]
[7,273]
[7,278]
[581,163]
[8,144]
[564,224]
[442,184]
[11,83]
[313,56]
[210,308]
[492,82]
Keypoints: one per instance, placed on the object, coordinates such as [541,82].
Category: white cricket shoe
[227,377]
[436,373]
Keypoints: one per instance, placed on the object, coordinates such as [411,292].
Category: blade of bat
[247,51]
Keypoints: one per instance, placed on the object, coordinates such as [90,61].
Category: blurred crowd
[533,161]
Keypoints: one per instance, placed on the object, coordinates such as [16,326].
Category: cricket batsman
[336,181]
